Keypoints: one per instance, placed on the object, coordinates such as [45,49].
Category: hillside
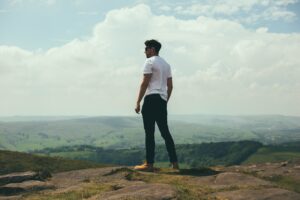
[34,133]
[19,162]
[276,153]
[189,155]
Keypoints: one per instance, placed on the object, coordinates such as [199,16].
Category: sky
[85,57]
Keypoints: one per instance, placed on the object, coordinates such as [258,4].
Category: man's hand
[137,108]
[143,88]
[170,87]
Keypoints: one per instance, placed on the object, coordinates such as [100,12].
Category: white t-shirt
[160,71]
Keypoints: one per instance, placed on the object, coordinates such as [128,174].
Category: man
[157,87]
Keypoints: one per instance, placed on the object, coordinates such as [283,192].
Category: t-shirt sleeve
[169,72]
[147,67]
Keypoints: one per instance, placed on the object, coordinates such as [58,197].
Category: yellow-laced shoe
[144,167]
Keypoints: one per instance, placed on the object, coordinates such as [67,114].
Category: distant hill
[38,118]
[189,155]
[11,161]
[34,133]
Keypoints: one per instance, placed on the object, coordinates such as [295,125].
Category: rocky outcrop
[23,182]
[26,186]
[269,170]
[230,180]
[23,176]
[251,182]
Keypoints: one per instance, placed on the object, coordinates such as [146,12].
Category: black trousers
[155,110]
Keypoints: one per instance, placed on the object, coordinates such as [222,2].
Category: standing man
[157,87]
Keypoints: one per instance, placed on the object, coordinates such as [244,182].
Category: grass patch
[11,161]
[273,154]
[285,182]
[185,189]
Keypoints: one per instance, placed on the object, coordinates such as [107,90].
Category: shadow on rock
[195,172]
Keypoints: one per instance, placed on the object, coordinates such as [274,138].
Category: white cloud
[262,30]
[275,13]
[219,67]
[245,11]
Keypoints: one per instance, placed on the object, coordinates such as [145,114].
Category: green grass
[181,183]
[127,132]
[267,154]
[286,182]
[74,155]
[11,161]
[189,155]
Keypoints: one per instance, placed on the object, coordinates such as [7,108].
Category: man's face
[149,51]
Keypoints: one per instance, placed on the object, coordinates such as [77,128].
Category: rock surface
[238,179]
[26,186]
[141,191]
[263,194]
[270,170]
[230,179]
[251,182]
[21,176]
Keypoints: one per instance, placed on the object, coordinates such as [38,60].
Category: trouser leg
[162,123]
[149,126]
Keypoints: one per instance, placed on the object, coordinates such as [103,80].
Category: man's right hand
[137,108]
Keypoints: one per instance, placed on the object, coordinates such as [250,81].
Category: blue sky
[84,57]
[42,24]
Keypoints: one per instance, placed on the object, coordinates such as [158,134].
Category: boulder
[23,176]
[230,179]
[26,186]
[238,179]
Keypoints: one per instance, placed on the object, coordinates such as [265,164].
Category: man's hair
[153,43]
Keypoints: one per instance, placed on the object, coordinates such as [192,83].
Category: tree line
[193,155]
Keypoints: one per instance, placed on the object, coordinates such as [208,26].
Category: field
[36,133]
[276,153]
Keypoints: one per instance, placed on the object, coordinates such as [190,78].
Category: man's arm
[170,87]
[143,88]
